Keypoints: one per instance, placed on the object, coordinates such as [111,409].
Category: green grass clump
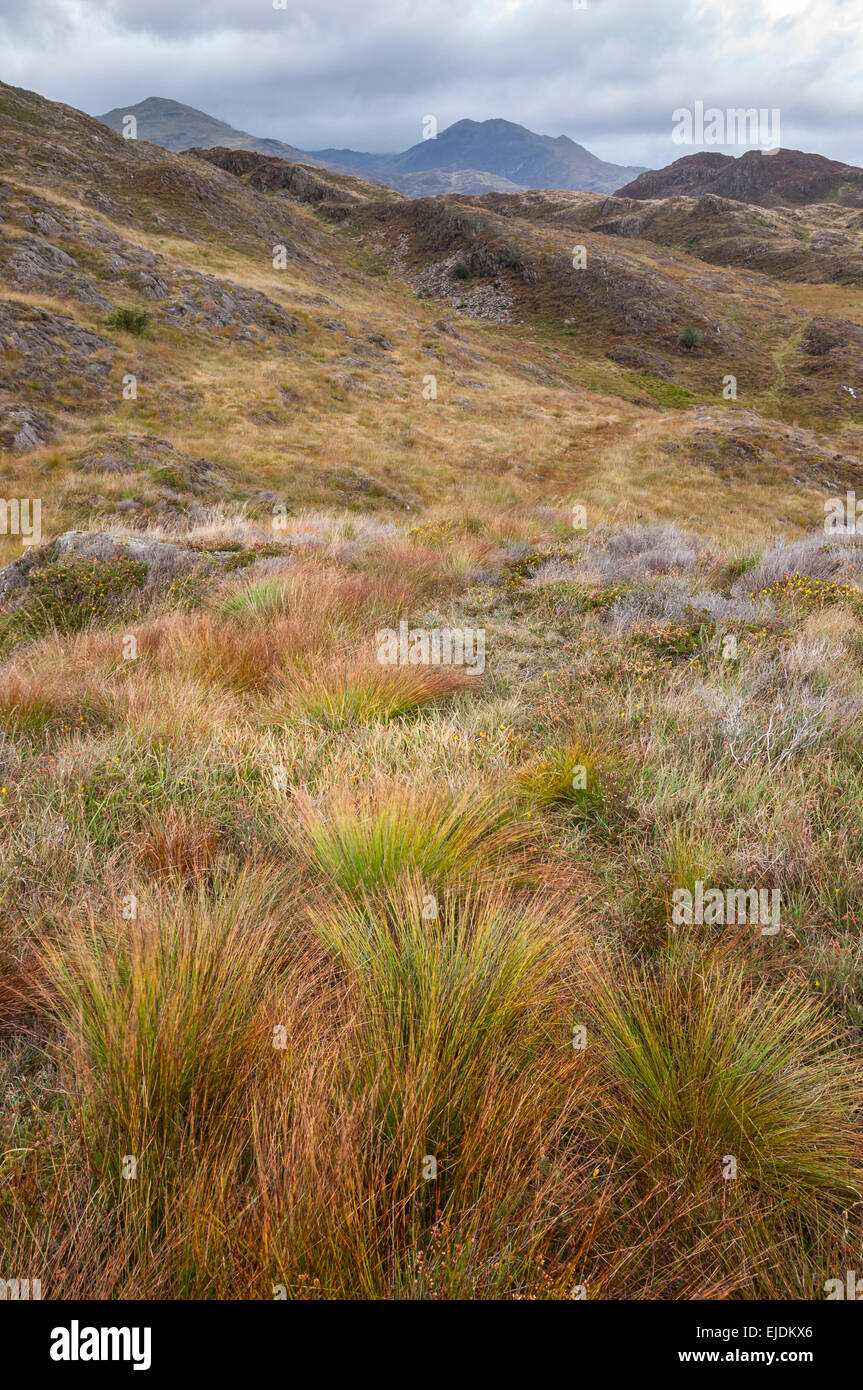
[450,1002]
[361,843]
[158,1014]
[568,776]
[700,1063]
[260,599]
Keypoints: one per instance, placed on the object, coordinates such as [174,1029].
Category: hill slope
[373,954]
[781,178]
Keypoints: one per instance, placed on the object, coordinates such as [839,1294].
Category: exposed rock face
[832,352]
[134,453]
[163,559]
[35,263]
[488,301]
[23,429]
[29,263]
[49,354]
[206,302]
[739,443]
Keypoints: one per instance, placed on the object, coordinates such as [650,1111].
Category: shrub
[129,319]
[510,256]
[690,337]
[460,271]
[68,597]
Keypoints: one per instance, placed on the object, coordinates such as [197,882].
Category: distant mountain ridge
[496,147]
[469,156]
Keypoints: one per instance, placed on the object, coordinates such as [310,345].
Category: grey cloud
[328,72]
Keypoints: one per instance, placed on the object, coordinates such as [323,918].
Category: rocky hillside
[301,297]
[819,245]
[780,178]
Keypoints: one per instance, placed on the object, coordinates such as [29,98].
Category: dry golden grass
[338,691]
[177,843]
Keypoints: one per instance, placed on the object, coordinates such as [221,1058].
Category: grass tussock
[364,841]
[358,690]
[585,780]
[178,843]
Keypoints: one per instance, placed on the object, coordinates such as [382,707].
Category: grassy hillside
[368,979]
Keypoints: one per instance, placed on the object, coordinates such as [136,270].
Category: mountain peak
[176,126]
[494,154]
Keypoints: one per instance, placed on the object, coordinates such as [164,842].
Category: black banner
[83,1340]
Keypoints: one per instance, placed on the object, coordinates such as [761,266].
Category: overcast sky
[336,73]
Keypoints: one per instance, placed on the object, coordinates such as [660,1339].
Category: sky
[334,73]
